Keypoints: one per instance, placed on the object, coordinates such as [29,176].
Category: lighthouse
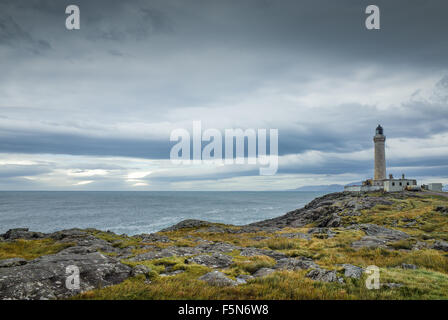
[379,181]
[380,154]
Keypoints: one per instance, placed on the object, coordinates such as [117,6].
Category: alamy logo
[72,22]
[72,281]
[373,280]
[373,20]
[235,153]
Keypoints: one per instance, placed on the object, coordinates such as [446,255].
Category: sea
[140,212]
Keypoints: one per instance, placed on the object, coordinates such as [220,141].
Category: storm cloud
[136,70]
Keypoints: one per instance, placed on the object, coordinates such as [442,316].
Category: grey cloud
[171,61]
[9,171]
[13,35]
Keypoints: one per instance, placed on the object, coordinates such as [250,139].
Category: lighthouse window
[393,183]
[408,183]
[400,184]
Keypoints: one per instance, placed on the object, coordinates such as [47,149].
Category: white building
[393,185]
[437,187]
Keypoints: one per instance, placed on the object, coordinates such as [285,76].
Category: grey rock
[44,277]
[296,264]
[408,266]
[216,247]
[378,231]
[69,234]
[166,253]
[420,245]
[216,260]
[259,238]
[322,232]
[243,278]
[351,271]
[324,275]
[442,209]
[216,278]
[410,224]
[171,273]
[212,229]
[441,245]
[250,252]
[140,269]
[325,211]
[22,233]
[189,223]
[12,262]
[295,235]
[263,272]
[152,237]
[377,236]
[370,242]
[391,285]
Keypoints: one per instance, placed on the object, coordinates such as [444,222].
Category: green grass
[30,249]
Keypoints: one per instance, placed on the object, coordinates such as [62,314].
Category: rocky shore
[313,241]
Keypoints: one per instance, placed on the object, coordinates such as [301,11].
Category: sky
[93,109]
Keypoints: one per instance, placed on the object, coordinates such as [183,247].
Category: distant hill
[326,187]
[322,188]
[357,183]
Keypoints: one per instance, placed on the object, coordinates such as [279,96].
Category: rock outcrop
[45,277]
[325,211]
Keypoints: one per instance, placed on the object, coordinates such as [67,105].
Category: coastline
[330,241]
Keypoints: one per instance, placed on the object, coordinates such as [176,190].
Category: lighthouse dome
[379,129]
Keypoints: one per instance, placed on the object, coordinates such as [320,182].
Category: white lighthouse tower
[380,154]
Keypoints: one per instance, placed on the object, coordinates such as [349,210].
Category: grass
[30,249]
[284,285]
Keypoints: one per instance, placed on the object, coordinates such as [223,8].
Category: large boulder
[382,232]
[69,235]
[324,275]
[140,269]
[22,233]
[351,271]
[45,277]
[243,278]
[186,224]
[442,209]
[296,264]
[441,245]
[377,236]
[370,242]
[13,262]
[159,253]
[263,272]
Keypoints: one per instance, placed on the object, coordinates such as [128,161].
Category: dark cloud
[10,171]
[308,68]
[79,145]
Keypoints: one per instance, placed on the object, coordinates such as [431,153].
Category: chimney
[402,176]
[391,176]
